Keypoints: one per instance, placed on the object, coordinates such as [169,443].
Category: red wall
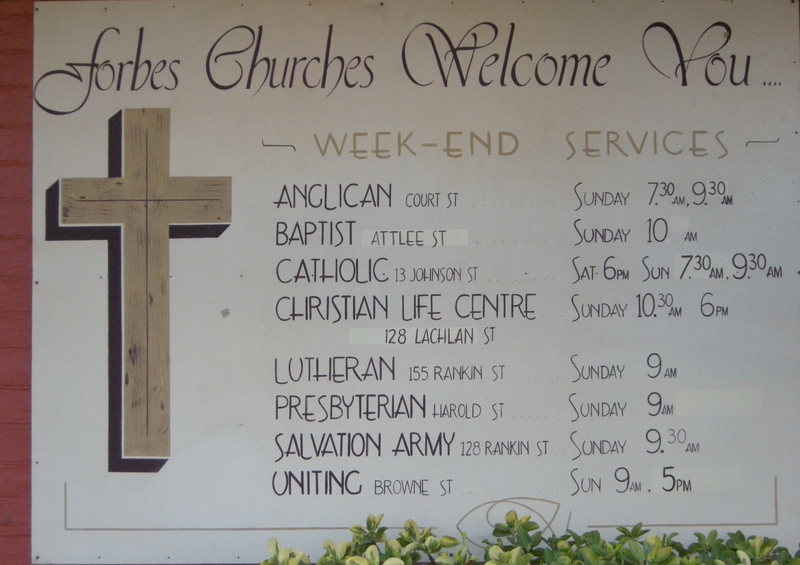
[16,72]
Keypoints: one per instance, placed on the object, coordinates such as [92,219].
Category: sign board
[300,262]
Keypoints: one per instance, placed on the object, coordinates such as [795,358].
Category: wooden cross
[150,206]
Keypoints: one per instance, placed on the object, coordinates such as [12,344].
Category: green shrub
[519,541]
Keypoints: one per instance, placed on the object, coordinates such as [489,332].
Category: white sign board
[298,262]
